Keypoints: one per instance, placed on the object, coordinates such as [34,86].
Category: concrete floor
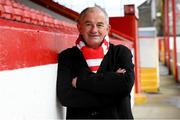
[162,105]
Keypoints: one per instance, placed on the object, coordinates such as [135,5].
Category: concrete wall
[148,52]
[30,93]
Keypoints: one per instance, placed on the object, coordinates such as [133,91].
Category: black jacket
[105,94]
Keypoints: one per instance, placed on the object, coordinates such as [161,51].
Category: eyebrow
[101,23]
[97,23]
[88,21]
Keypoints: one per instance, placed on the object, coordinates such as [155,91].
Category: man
[95,77]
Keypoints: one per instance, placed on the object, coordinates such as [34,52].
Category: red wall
[25,45]
[124,26]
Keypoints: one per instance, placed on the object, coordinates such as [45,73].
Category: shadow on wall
[61,111]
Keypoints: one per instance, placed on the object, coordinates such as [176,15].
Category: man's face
[93,27]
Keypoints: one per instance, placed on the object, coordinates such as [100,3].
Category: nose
[94,29]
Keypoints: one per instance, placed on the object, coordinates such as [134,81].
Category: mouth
[94,36]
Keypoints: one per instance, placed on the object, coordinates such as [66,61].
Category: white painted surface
[171,42]
[30,93]
[148,48]
[171,45]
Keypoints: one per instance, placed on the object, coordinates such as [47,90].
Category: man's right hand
[121,71]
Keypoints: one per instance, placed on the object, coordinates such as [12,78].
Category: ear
[109,28]
[78,27]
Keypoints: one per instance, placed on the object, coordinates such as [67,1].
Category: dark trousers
[84,113]
[122,110]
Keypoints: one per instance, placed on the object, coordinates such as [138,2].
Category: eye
[100,25]
[88,24]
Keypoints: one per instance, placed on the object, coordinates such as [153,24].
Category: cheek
[83,30]
[103,33]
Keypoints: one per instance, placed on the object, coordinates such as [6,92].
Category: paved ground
[162,105]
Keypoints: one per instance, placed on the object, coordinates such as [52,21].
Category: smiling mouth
[94,36]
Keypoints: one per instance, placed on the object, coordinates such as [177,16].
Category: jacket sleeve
[110,83]
[68,95]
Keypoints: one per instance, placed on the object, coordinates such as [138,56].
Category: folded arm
[115,82]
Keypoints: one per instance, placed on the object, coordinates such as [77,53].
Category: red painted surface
[124,26]
[13,10]
[174,35]
[24,45]
[166,34]
[136,56]
[128,44]
[62,10]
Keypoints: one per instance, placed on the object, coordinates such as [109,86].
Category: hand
[74,82]
[121,71]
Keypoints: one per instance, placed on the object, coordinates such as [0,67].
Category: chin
[95,45]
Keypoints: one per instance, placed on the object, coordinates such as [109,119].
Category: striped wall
[28,70]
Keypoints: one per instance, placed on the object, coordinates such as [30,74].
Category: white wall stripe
[30,93]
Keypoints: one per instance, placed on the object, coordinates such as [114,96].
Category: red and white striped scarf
[92,56]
